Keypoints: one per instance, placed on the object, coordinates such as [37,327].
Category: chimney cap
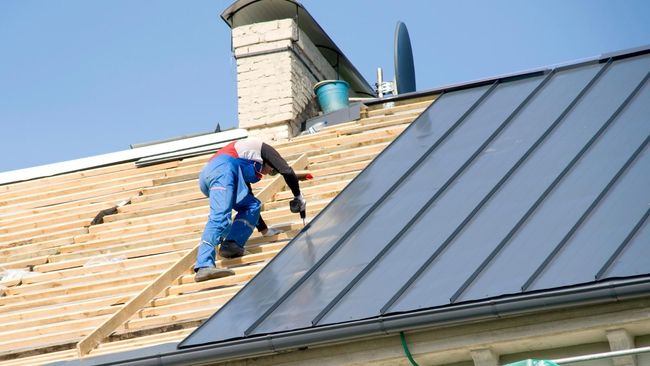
[245,12]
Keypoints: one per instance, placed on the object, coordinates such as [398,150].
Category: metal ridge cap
[621,54]
[592,293]
[634,51]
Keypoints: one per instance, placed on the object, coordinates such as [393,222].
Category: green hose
[406,349]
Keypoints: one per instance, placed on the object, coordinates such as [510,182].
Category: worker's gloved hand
[271,231]
[297,204]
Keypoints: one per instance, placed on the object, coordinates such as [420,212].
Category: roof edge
[593,293]
[96,161]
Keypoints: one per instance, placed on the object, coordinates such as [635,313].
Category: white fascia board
[119,156]
[175,155]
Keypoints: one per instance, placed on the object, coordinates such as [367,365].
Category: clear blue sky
[80,78]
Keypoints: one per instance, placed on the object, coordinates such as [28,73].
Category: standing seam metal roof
[516,186]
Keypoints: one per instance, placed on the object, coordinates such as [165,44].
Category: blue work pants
[219,181]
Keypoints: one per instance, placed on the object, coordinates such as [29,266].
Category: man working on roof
[226,180]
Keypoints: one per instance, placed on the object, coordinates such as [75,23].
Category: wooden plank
[114,178]
[168,188]
[56,229]
[344,168]
[50,220]
[176,179]
[45,313]
[362,150]
[81,186]
[86,279]
[19,345]
[79,288]
[147,294]
[42,359]
[68,207]
[24,263]
[26,332]
[342,161]
[155,339]
[77,196]
[157,321]
[31,184]
[129,263]
[132,253]
[102,246]
[315,190]
[184,297]
[148,224]
[68,233]
[161,206]
[178,191]
[154,288]
[118,294]
[173,214]
[186,305]
[408,105]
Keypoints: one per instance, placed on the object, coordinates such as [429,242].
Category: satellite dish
[404,67]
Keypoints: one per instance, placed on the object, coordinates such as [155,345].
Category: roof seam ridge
[491,193]
[399,293]
[542,267]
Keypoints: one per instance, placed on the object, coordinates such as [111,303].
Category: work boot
[271,232]
[229,249]
[210,273]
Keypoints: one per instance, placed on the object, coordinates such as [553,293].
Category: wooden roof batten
[146,281]
[166,278]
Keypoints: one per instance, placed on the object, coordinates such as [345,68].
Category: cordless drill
[295,205]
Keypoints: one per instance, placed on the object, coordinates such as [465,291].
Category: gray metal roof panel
[494,188]
[634,257]
[498,157]
[400,206]
[546,213]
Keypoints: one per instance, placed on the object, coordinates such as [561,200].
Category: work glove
[297,204]
[271,231]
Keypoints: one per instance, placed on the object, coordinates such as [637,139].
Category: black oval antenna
[404,67]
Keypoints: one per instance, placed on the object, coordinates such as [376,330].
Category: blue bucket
[332,95]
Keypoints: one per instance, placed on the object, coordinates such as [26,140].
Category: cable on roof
[406,349]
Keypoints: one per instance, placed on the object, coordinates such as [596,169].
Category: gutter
[593,293]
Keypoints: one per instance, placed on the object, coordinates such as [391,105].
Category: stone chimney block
[277,67]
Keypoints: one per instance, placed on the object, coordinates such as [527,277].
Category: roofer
[226,180]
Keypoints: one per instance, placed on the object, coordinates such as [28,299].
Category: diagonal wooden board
[94,338]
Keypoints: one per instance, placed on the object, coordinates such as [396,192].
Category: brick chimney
[277,67]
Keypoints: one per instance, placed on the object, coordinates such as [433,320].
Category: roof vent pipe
[383,87]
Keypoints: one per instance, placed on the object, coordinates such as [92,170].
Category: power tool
[295,205]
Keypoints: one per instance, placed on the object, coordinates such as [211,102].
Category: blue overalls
[223,180]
